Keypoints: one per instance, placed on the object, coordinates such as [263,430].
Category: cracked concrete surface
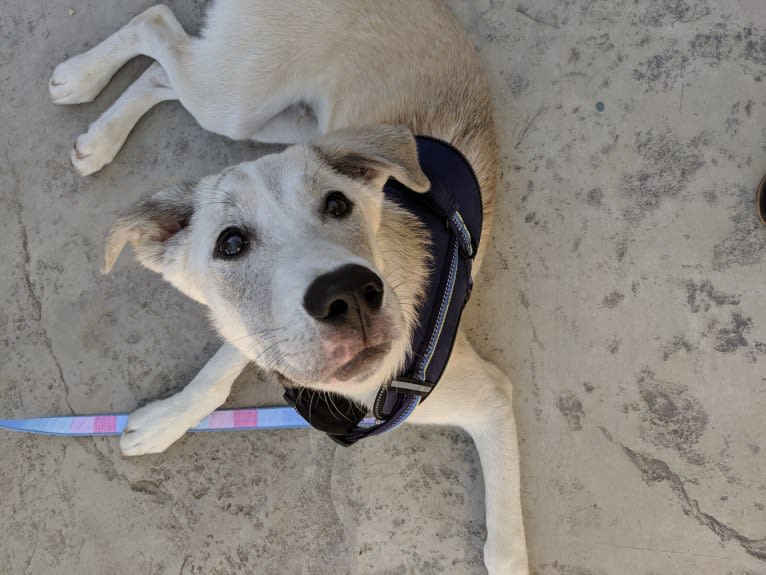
[622,295]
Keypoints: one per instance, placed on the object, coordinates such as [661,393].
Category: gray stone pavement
[622,294]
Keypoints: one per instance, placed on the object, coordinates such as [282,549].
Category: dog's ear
[373,154]
[156,226]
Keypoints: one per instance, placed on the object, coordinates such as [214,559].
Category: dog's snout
[332,296]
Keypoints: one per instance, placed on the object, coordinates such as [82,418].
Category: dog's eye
[231,242]
[337,205]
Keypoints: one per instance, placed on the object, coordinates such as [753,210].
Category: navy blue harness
[451,212]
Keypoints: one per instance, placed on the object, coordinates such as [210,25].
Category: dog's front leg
[104,138]
[505,551]
[154,427]
[476,395]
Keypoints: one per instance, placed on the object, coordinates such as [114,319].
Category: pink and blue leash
[238,419]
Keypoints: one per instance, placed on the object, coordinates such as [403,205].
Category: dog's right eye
[232,242]
[337,205]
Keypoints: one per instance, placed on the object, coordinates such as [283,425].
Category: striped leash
[239,419]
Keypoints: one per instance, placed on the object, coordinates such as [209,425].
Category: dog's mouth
[361,364]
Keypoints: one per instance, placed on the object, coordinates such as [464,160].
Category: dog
[346,85]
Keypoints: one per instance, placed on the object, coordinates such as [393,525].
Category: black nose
[340,293]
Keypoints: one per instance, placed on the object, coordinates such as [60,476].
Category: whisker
[257,333]
[269,349]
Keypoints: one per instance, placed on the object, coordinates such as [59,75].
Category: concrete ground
[622,295]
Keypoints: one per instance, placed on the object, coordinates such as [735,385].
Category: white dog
[347,83]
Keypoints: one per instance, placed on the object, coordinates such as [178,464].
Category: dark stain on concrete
[528,194]
[676,344]
[571,408]
[745,243]
[717,44]
[723,42]
[150,488]
[531,218]
[594,196]
[517,83]
[733,122]
[731,337]
[631,406]
[621,249]
[668,167]
[601,42]
[488,27]
[756,350]
[661,71]
[728,472]
[671,417]
[701,296]
[667,12]
[612,300]
[614,345]
[755,47]
[710,197]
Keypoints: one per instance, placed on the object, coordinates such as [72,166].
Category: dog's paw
[155,427]
[78,80]
[95,149]
[505,560]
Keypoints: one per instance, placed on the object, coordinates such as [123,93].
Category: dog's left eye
[231,242]
[337,205]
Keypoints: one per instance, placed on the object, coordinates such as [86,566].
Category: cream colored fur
[327,76]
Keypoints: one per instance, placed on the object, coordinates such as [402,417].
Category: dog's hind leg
[474,394]
[104,138]
[155,427]
[155,33]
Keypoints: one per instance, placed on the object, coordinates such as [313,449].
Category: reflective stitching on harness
[405,414]
[465,235]
[423,367]
[376,406]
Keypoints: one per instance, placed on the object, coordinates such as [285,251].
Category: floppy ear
[374,153]
[156,226]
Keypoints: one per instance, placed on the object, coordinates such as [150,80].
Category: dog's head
[305,266]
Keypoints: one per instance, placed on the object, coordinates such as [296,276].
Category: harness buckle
[412,386]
